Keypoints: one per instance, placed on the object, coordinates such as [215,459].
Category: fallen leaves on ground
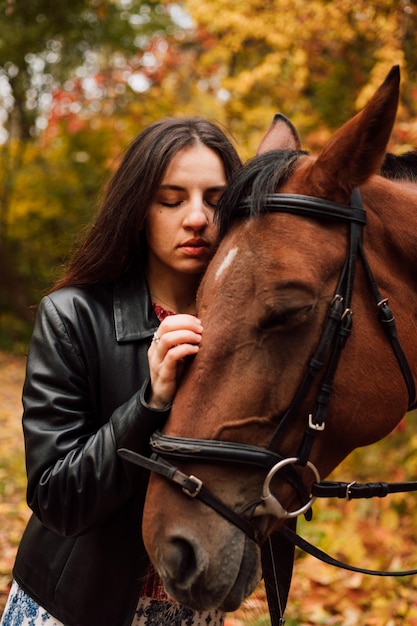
[376,534]
[13,510]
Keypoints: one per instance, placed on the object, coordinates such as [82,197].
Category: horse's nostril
[180,561]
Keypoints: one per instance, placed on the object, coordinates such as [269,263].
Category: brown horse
[295,355]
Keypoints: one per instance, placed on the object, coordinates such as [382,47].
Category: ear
[281,135]
[358,148]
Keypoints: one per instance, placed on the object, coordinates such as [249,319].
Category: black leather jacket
[81,556]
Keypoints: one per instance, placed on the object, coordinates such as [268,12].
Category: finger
[177,353]
[165,373]
[176,337]
[180,321]
[164,341]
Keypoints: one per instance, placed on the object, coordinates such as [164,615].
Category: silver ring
[270,505]
[155,338]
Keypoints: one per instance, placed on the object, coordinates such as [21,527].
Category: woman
[102,369]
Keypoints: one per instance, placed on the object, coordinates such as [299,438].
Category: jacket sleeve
[76,480]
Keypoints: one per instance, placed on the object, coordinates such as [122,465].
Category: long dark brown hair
[116,240]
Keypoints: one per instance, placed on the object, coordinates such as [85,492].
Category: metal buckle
[198,484]
[348,492]
[336,298]
[345,313]
[314,425]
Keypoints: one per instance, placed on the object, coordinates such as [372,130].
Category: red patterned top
[161,313]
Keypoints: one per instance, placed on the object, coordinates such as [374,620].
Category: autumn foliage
[80,79]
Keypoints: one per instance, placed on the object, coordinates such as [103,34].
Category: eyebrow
[178,188]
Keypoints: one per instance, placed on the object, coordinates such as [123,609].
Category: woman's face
[179,225]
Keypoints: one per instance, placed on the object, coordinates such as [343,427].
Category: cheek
[158,231]
[153,223]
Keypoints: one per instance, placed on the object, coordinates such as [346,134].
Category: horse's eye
[276,320]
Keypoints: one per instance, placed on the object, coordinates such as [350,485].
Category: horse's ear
[357,149]
[281,135]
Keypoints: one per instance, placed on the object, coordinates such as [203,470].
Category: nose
[180,562]
[198,215]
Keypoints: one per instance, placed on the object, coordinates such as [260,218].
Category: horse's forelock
[400,167]
[261,176]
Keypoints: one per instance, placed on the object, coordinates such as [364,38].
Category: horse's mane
[400,167]
[265,173]
[260,176]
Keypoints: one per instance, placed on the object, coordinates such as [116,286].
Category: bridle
[336,331]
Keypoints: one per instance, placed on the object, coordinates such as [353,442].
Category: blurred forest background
[78,80]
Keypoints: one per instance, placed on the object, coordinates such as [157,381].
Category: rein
[336,331]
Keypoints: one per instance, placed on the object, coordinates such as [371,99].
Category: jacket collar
[134,317]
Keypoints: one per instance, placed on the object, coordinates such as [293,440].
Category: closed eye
[212,196]
[276,320]
[172,204]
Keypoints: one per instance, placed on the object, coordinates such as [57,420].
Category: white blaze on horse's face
[227,261]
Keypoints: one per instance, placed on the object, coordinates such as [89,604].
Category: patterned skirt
[21,610]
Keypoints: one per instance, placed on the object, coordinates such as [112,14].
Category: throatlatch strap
[355,491]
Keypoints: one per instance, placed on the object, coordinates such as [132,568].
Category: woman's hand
[177,337]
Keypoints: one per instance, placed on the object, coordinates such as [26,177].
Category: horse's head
[266,304]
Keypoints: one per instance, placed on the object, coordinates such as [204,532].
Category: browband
[298,204]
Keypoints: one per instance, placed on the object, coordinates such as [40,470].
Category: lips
[195,247]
